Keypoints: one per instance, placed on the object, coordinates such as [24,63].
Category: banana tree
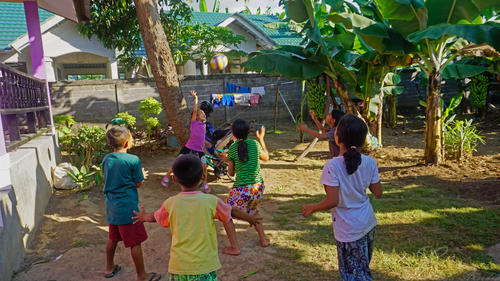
[434,31]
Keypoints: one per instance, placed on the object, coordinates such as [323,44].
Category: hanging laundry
[231,88]
[254,99]
[216,99]
[242,99]
[258,90]
[242,90]
[227,100]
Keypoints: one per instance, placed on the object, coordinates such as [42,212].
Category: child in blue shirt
[123,174]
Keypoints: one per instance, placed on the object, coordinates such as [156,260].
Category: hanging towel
[216,100]
[227,100]
[254,99]
[231,88]
[242,99]
[243,90]
[258,90]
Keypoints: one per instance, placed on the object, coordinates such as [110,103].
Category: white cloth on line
[242,99]
[258,90]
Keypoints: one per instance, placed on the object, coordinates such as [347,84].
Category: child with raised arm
[195,143]
[346,179]
[190,216]
[243,158]
[123,174]
[332,120]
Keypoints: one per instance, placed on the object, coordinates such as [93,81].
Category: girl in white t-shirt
[346,179]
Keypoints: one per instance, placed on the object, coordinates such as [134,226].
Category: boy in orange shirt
[190,215]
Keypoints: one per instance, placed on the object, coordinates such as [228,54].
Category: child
[123,174]
[243,158]
[195,142]
[190,215]
[345,179]
[332,120]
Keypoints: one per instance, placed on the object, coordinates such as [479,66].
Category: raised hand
[260,133]
[193,94]
[312,114]
[140,216]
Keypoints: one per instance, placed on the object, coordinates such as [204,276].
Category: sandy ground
[71,242]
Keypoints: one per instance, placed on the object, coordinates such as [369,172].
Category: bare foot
[231,251]
[264,243]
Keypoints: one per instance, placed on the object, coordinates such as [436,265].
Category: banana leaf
[476,33]
[455,11]
[405,16]
[460,71]
[285,63]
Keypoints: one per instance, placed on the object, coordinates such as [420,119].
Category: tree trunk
[377,124]
[392,102]
[302,101]
[163,67]
[329,93]
[350,107]
[433,148]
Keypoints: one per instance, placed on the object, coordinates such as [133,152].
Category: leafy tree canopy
[114,23]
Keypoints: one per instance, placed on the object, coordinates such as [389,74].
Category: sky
[237,6]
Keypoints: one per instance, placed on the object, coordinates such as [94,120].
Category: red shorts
[131,234]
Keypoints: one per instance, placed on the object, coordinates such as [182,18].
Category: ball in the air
[218,62]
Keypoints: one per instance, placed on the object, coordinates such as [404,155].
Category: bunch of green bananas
[478,90]
[316,97]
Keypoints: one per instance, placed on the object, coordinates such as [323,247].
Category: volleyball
[218,62]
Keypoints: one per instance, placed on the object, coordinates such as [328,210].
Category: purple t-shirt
[197,136]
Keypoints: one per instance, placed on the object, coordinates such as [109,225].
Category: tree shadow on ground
[430,221]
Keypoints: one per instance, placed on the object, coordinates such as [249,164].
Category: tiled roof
[13,22]
[280,36]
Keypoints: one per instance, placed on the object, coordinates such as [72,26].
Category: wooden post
[276,107]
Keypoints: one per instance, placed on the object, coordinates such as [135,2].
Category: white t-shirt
[353,217]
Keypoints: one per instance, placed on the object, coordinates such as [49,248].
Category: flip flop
[115,271]
[152,278]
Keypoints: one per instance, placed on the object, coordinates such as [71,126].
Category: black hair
[351,131]
[187,170]
[240,129]
[336,115]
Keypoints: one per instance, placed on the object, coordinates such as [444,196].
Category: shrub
[64,121]
[88,146]
[478,90]
[461,138]
[150,109]
[128,118]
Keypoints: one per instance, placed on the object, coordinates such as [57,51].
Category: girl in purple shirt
[195,142]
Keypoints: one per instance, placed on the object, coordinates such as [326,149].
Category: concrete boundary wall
[23,202]
[99,100]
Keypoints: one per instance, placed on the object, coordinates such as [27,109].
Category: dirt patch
[77,229]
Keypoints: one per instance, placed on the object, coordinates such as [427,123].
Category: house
[68,55]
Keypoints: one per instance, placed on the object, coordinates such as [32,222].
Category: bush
[128,118]
[64,121]
[461,139]
[150,109]
[88,146]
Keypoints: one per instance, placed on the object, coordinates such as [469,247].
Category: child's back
[353,216]
[121,173]
[194,238]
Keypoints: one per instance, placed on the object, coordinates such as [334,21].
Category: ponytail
[351,132]
[352,159]
[240,129]
[242,151]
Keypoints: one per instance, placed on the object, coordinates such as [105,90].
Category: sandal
[152,278]
[115,271]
